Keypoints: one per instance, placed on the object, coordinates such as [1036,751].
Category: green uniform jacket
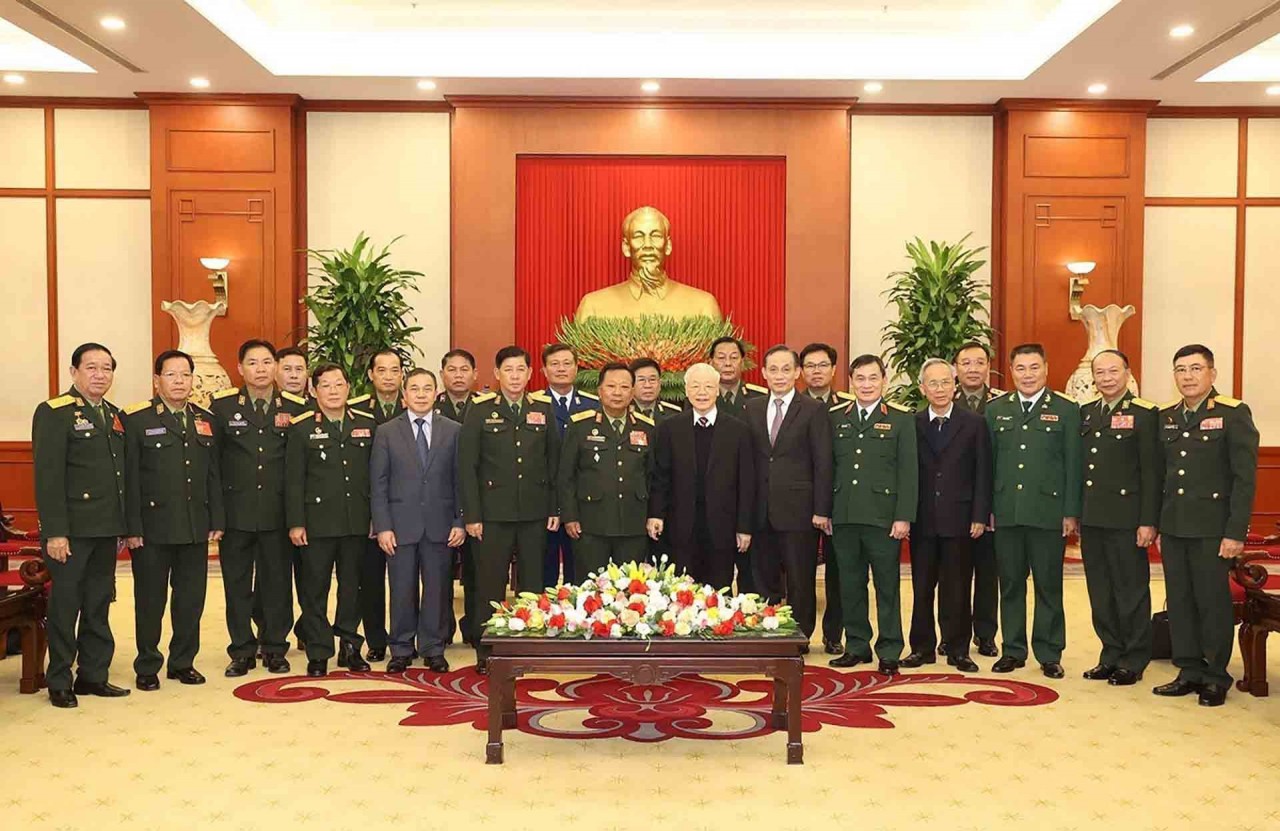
[989,394]
[507,466]
[738,407]
[660,413]
[1210,469]
[1035,459]
[1122,463]
[251,457]
[877,480]
[453,412]
[370,405]
[326,478]
[604,479]
[79,468]
[173,487]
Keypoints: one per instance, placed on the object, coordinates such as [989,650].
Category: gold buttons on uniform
[1091,465]
[1088,483]
[1215,496]
[855,467]
[1093,450]
[1182,453]
[1181,491]
[86,496]
[855,481]
[1182,473]
[1186,435]
[519,460]
[1097,434]
[1123,492]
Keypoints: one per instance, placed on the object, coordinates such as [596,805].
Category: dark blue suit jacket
[413,502]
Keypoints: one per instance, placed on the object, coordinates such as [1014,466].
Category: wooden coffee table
[647,662]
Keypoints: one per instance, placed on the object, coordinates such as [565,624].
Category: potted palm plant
[357,302]
[941,305]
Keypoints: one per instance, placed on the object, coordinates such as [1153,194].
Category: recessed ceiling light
[200,83]
[1182,31]
[650,86]
[14,78]
[873,86]
[1097,89]
[112,23]
[1272,90]
[426,86]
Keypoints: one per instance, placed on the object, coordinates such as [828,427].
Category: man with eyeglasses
[818,368]
[77,442]
[173,510]
[647,395]
[1210,452]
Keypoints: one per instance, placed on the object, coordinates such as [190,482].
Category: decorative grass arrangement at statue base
[674,343]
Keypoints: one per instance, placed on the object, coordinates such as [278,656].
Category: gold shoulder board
[895,405]
[588,395]
[582,416]
[1066,397]
[641,417]
[1227,401]
[1093,400]
[673,407]
[483,397]
[1169,405]
[847,396]
[227,393]
[994,393]
[757,388]
[364,413]
[62,401]
[296,399]
[540,396]
[134,408]
[841,406]
[1143,403]
[359,399]
[302,417]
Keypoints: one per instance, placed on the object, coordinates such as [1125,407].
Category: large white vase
[1103,328]
[194,321]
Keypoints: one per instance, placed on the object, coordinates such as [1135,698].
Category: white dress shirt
[426,425]
[1035,399]
[709,415]
[866,412]
[947,414]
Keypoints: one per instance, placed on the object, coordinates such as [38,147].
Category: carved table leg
[509,702]
[795,750]
[497,683]
[1260,688]
[31,661]
[779,713]
[1245,638]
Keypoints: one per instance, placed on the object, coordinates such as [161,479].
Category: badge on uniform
[596,437]
[1121,422]
[156,431]
[282,420]
[882,425]
[203,428]
[1048,417]
[639,438]
[82,423]
[115,423]
[237,423]
[1211,423]
[361,433]
[493,420]
[535,417]
[319,435]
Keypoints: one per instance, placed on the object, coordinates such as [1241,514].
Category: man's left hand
[1230,548]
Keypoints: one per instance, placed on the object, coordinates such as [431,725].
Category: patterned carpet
[949,751]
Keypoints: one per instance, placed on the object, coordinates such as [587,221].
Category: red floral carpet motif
[680,708]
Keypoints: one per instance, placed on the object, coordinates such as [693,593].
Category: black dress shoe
[1008,664]
[63,699]
[987,647]
[833,647]
[349,657]
[849,659]
[316,669]
[482,667]
[436,663]
[190,676]
[962,662]
[1052,669]
[804,650]
[240,667]
[888,667]
[1124,677]
[942,648]
[399,663]
[147,683]
[1211,695]
[102,689]
[1100,673]
[376,655]
[302,646]
[917,659]
[1177,687]
[276,664]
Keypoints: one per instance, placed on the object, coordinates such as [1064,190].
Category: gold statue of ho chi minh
[646,242]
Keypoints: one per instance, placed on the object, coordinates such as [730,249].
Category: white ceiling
[924,51]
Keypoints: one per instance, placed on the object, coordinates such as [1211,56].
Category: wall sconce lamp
[1075,287]
[218,276]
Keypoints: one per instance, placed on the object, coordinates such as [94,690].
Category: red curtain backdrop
[728,234]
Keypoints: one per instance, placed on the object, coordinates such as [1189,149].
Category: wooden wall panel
[223,184]
[1266,504]
[1075,157]
[17,483]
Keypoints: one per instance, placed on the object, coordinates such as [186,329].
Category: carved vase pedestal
[1103,328]
[194,321]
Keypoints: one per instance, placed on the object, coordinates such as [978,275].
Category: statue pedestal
[194,321]
[1103,328]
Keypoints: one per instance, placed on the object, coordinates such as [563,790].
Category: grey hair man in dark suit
[416,517]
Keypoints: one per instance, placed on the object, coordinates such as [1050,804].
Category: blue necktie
[423,448]
[562,413]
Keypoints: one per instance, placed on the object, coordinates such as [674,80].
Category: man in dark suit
[954,452]
[413,495]
[702,486]
[791,438]
[560,367]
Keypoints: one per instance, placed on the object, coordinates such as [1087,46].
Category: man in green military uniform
[604,517]
[173,510]
[646,396]
[255,554]
[77,443]
[1121,506]
[458,374]
[292,378]
[1210,451]
[876,488]
[326,502]
[974,392]
[508,454]
[1035,462]
[727,355]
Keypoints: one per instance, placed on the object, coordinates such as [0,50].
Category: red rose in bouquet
[563,593]
[668,628]
[544,603]
[523,613]
[724,627]
[769,611]
[592,604]
[738,618]
[556,621]
[713,600]
[599,628]
[637,587]
[637,607]
[684,597]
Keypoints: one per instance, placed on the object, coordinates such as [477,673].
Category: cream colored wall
[21,148]
[1261,300]
[104,288]
[926,176]
[24,373]
[387,174]
[1263,172]
[101,149]
[1188,292]
[1192,156]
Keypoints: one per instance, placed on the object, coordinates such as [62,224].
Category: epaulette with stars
[582,416]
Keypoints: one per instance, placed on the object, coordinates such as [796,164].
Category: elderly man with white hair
[702,485]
